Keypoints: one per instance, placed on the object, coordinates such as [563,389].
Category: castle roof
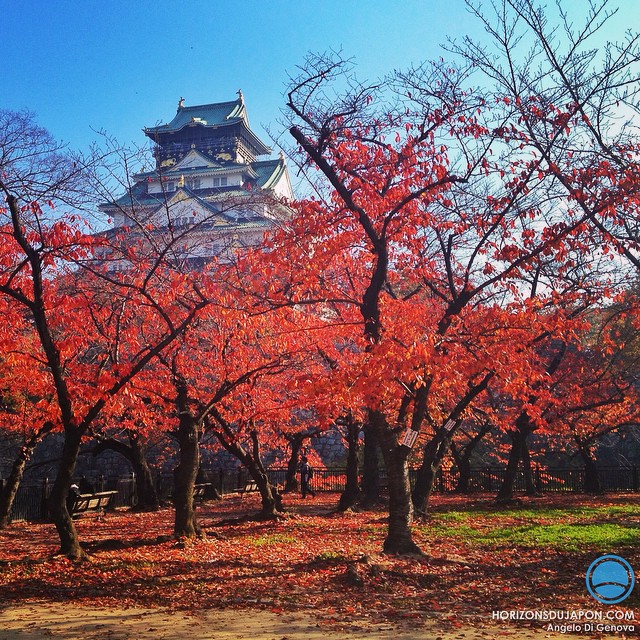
[209,115]
[267,175]
[269,172]
[217,115]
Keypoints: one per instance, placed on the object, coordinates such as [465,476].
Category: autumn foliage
[460,263]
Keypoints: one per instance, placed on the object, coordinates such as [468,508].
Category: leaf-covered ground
[479,558]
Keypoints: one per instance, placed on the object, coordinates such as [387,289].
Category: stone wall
[330,447]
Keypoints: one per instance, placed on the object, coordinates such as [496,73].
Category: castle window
[193,183]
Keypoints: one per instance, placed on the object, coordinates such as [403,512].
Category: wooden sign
[409,438]
[449,424]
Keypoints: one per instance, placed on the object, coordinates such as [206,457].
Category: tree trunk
[591,477]
[436,449]
[134,452]
[371,469]
[185,524]
[464,475]
[269,495]
[10,488]
[69,542]
[291,479]
[505,493]
[399,539]
[351,490]
[523,427]
[518,441]
[530,485]
[146,493]
[463,463]
[433,455]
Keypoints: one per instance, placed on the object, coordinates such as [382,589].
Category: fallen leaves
[316,561]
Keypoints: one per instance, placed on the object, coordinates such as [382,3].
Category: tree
[36,279]
[463,450]
[39,168]
[295,441]
[26,404]
[573,100]
[133,450]
[596,390]
[350,430]
[435,217]
[266,368]
[226,377]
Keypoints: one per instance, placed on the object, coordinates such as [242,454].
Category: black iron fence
[31,500]
[611,479]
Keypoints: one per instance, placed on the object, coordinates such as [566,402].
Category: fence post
[133,490]
[486,479]
[538,479]
[221,481]
[44,503]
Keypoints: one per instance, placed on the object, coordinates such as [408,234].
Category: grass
[272,539]
[542,512]
[579,528]
[562,537]
[331,556]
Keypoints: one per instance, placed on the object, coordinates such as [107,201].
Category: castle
[209,193]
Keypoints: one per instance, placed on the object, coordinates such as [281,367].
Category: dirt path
[46,621]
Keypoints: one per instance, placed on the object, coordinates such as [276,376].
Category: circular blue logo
[610,579]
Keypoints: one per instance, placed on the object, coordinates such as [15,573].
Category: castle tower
[208,180]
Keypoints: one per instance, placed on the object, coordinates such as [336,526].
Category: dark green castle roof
[269,172]
[210,116]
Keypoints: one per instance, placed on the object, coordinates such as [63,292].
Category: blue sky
[120,65]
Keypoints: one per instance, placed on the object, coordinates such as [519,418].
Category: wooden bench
[250,486]
[200,492]
[92,502]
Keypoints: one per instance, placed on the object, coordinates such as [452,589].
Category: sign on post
[409,438]
[449,424]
